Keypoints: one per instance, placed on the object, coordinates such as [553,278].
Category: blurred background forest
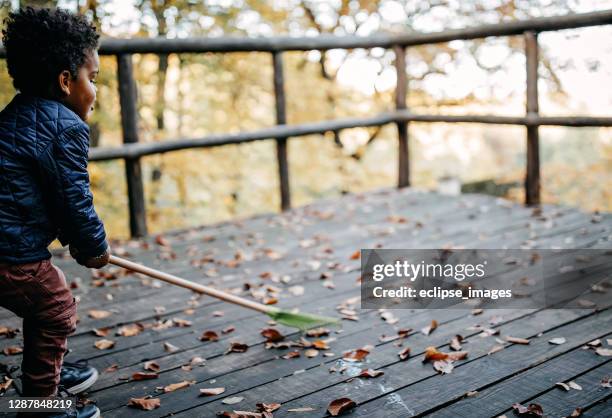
[192,95]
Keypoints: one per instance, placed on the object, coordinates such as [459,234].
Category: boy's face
[80,93]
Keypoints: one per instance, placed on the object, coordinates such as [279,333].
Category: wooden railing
[133,149]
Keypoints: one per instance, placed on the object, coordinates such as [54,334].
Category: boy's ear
[65,82]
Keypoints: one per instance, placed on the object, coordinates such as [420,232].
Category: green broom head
[302,321]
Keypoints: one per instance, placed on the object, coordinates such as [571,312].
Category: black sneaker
[77,377]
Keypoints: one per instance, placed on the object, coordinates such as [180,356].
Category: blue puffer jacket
[44,184]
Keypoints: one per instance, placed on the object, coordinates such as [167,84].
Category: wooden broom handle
[187,284]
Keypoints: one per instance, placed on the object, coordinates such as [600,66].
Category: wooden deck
[304,259]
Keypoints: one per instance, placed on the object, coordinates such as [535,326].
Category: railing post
[532,175]
[403,177]
[129,125]
[281,119]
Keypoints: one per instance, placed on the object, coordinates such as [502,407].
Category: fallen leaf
[574,385]
[429,329]
[181,323]
[338,406]
[8,332]
[594,343]
[267,407]
[604,352]
[101,332]
[12,350]
[356,355]
[455,343]
[304,409]
[209,336]
[211,391]
[151,366]
[240,414]
[517,340]
[371,373]
[232,400]
[104,344]
[5,385]
[170,348]
[272,335]
[311,352]
[236,347]
[356,255]
[130,330]
[111,369]
[146,404]
[180,385]
[443,366]
[144,376]
[161,240]
[606,382]
[98,314]
[533,410]
[563,385]
[404,354]
[576,413]
[320,345]
[291,354]
[495,349]
[557,341]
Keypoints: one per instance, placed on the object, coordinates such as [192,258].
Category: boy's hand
[91,262]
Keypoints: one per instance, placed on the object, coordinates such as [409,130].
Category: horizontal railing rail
[133,150]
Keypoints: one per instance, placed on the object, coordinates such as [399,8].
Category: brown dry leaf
[495,349]
[237,347]
[170,348]
[180,385]
[211,391]
[320,345]
[443,366]
[455,343]
[181,323]
[311,352]
[99,314]
[371,373]
[161,240]
[5,385]
[151,366]
[144,376]
[111,369]
[227,330]
[428,329]
[606,382]
[101,332]
[272,335]
[209,336]
[356,355]
[576,413]
[146,404]
[594,343]
[604,352]
[104,344]
[517,340]
[338,406]
[267,407]
[12,350]
[130,330]
[8,332]
[433,354]
[317,332]
[356,255]
[291,354]
[404,354]
[533,410]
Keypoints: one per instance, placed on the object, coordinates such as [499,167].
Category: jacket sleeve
[64,166]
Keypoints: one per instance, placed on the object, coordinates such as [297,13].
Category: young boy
[44,189]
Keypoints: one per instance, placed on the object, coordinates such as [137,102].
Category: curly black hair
[41,43]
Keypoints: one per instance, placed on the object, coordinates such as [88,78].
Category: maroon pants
[38,293]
